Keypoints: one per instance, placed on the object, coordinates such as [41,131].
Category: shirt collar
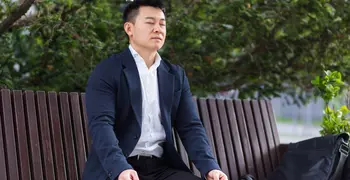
[139,59]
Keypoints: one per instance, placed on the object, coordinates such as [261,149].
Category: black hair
[132,9]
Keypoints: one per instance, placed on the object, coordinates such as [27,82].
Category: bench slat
[78,132]
[10,140]
[21,133]
[68,136]
[181,150]
[204,116]
[269,137]
[3,171]
[274,128]
[87,138]
[195,170]
[60,169]
[231,156]
[236,138]
[219,142]
[34,143]
[45,135]
[244,121]
[254,141]
[262,138]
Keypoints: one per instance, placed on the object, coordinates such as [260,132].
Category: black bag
[320,158]
[247,177]
[346,172]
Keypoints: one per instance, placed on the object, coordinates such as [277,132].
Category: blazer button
[136,136]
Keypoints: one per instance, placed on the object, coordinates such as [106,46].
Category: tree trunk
[15,15]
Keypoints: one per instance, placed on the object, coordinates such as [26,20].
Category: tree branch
[29,20]
[23,22]
[15,15]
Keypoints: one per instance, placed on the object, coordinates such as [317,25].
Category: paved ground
[293,133]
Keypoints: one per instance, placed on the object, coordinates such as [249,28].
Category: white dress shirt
[152,131]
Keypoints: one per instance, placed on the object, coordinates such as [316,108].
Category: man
[133,100]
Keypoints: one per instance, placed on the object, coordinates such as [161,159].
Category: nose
[157,28]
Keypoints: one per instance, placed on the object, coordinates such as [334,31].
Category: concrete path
[294,133]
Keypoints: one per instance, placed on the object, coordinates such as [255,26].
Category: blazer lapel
[165,86]
[166,90]
[134,83]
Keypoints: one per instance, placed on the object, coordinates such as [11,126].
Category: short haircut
[132,9]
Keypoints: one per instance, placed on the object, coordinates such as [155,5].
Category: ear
[128,26]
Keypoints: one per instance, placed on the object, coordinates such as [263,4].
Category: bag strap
[344,152]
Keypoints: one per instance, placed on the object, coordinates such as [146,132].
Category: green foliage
[335,122]
[61,47]
[328,87]
[261,48]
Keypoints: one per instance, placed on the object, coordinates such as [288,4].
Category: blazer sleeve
[100,104]
[192,132]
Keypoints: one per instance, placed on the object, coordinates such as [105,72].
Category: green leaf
[344,109]
[328,110]
[330,9]
[316,81]
[69,3]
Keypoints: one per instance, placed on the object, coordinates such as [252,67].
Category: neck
[148,56]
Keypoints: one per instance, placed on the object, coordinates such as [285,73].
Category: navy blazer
[113,103]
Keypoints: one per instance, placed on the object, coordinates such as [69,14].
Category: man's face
[149,29]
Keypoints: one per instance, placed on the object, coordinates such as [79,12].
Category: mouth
[157,38]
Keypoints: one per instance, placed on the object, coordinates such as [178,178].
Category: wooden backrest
[44,135]
[242,134]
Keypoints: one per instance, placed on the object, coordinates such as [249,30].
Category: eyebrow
[154,18]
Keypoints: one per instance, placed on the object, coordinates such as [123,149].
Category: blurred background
[246,49]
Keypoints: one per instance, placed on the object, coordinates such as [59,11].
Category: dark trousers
[153,168]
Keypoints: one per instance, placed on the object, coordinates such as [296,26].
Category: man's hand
[216,175]
[128,174]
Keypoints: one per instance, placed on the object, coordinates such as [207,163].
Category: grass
[286,120]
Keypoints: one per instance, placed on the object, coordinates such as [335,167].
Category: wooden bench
[44,135]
